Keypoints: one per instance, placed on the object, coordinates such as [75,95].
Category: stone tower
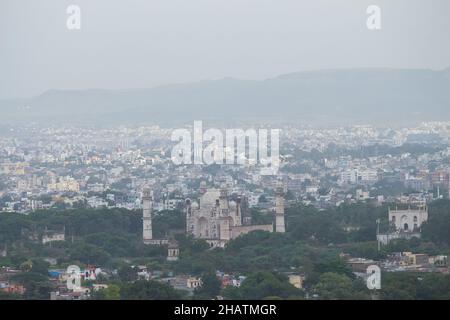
[279,210]
[147,215]
[190,219]
[223,202]
[237,213]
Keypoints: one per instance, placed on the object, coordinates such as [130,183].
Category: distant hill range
[323,97]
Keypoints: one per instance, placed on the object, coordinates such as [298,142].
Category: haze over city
[217,151]
[144,44]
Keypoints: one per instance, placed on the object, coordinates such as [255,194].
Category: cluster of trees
[415,286]
[335,286]
[117,232]
[149,290]
[264,285]
[35,280]
[92,236]
[311,246]
[330,226]
[395,286]
[437,227]
[139,290]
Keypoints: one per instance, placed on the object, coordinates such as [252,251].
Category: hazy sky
[144,43]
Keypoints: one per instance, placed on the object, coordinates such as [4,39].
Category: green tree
[37,286]
[260,285]
[40,266]
[127,274]
[399,286]
[89,254]
[438,224]
[149,290]
[9,296]
[434,287]
[112,292]
[334,286]
[210,287]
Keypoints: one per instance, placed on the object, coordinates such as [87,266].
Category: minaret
[190,219]
[279,211]
[238,214]
[224,215]
[223,201]
[147,215]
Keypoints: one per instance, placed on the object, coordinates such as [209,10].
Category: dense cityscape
[224,159]
[75,196]
[70,167]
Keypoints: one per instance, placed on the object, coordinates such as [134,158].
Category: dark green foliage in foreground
[311,246]
[334,286]
[9,296]
[437,229]
[412,286]
[210,288]
[149,290]
[92,236]
[127,274]
[37,285]
[260,285]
